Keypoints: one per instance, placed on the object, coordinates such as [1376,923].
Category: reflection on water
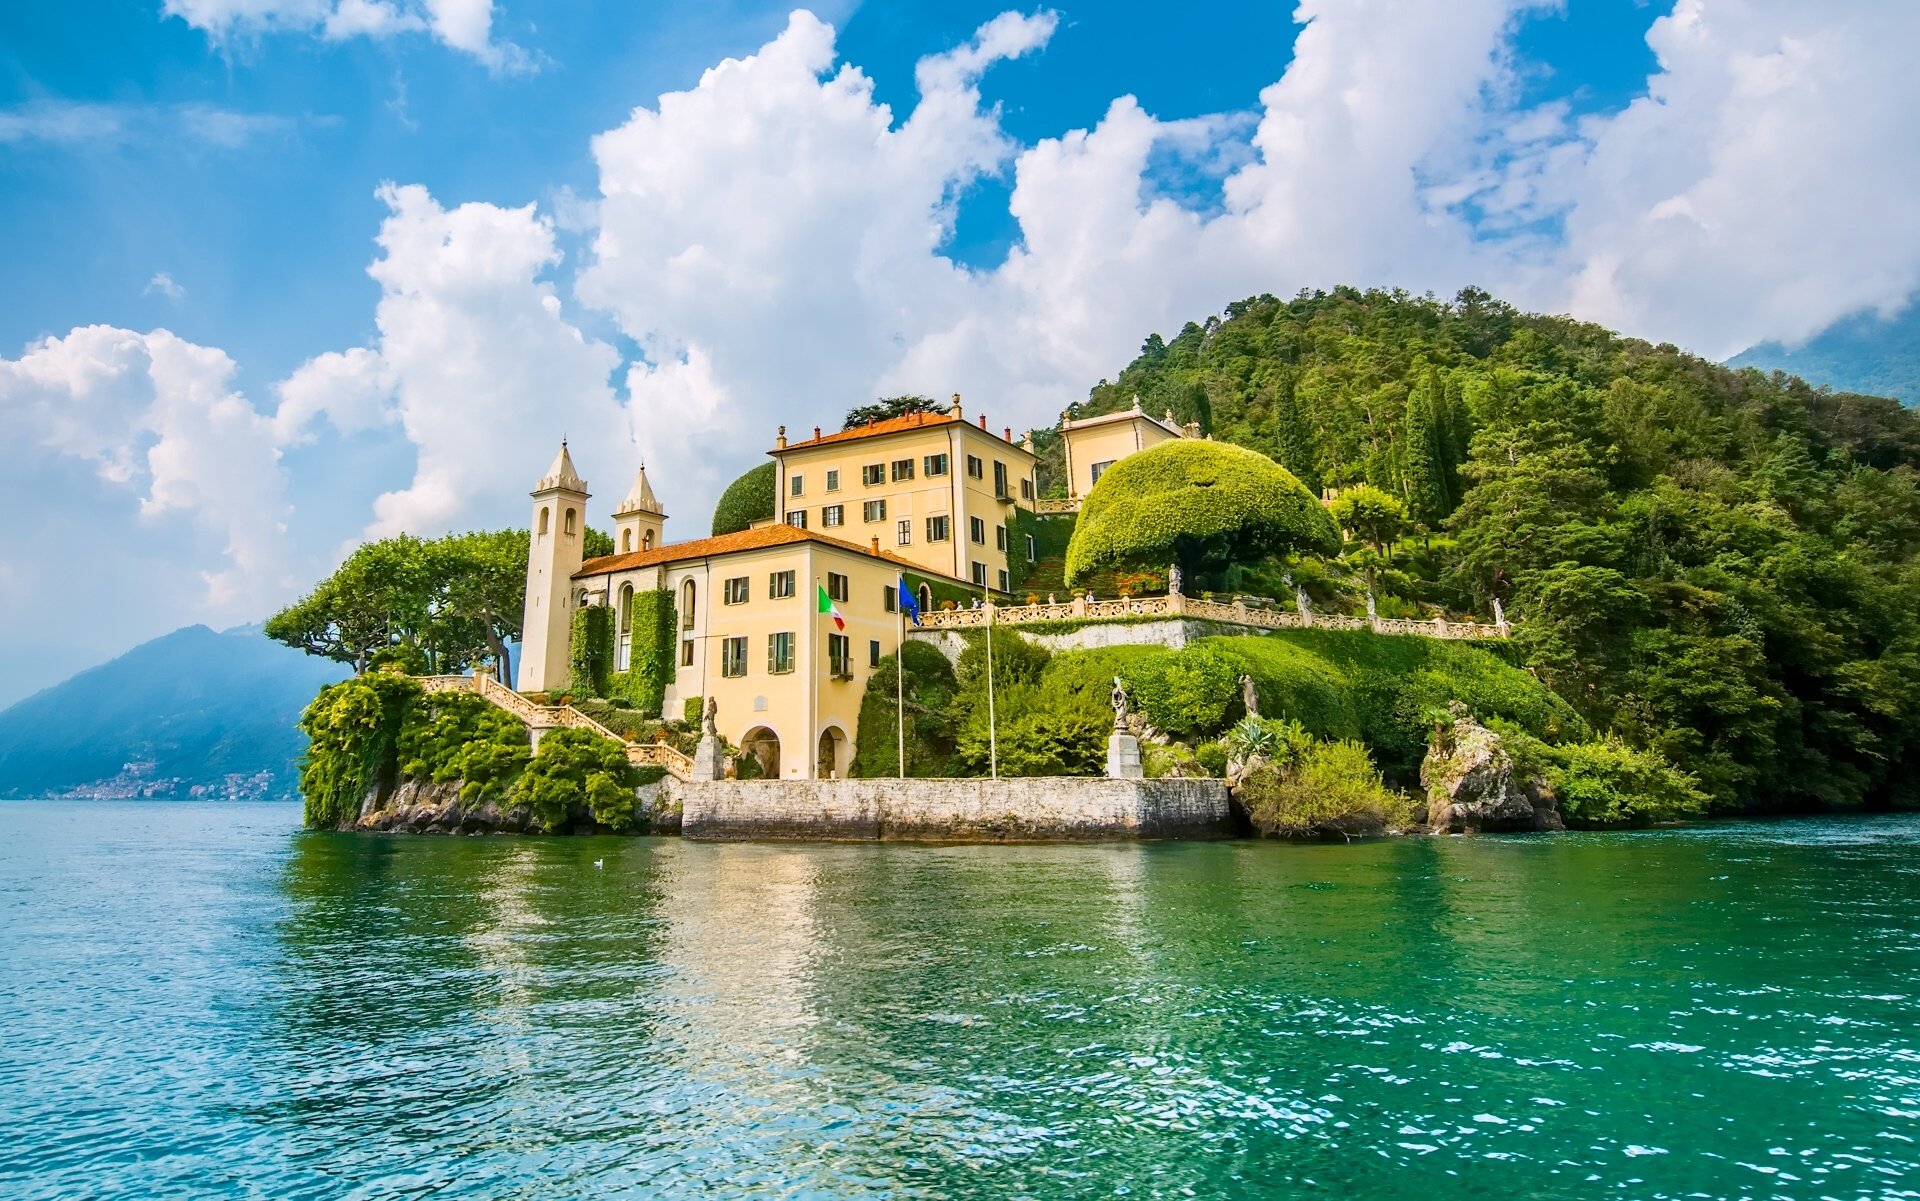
[200,1000]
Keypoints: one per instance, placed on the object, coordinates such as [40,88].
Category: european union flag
[908,605]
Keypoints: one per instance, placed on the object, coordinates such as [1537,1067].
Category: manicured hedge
[746,500]
[1200,504]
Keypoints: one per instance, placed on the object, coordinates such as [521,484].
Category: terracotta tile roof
[727,544]
[876,429]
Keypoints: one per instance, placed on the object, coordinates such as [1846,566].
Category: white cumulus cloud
[465,25]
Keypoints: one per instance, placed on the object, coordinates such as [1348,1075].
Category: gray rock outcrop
[1472,787]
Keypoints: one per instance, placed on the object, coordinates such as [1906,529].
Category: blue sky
[207,380]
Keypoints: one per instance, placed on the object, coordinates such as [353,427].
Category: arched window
[626,542]
[544,512]
[623,651]
[646,541]
[573,519]
[926,599]
[686,606]
[626,608]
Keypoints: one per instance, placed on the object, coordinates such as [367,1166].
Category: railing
[1239,612]
[1069,504]
[556,717]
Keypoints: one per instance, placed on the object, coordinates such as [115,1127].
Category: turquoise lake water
[202,1001]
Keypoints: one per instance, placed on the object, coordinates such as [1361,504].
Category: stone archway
[764,746]
[829,754]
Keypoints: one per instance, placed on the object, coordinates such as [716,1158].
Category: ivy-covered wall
[650,657]
[590,651]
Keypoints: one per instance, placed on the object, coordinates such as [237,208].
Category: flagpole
[900,685]
[993,729]
[813,683]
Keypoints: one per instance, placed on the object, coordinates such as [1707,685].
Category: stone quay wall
[1052,809]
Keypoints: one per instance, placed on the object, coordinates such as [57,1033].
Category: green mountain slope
[191,713]
[1861,354]
[1718,564]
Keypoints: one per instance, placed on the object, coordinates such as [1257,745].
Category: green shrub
[929,687]
[574,772]
[1212,757]
[458,736]
[1610,783]
[1333,789]
[1172,760]
[1188,692]
[746,500]
[1203,505]
[403,656]
[1280,742]
[590,651]
[693,710]
[653,643]
[353,733]
[1014,659]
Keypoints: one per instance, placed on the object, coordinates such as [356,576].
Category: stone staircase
[541,718]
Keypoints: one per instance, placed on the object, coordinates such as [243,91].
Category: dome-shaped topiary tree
[746,500]
[1203,505]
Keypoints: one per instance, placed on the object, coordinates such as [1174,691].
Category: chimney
[1008,438]
[780,442]
[956,406]
[876,544]
[983,421]
[816,433]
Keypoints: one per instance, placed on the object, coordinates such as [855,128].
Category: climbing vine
[650,656]
[590,651]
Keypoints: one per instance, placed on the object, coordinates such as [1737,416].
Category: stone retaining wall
[1017,810]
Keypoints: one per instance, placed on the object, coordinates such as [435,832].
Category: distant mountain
[191,714]
[1860,354]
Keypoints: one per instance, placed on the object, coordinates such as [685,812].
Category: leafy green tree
[1202,505]
[746,500]
[576,773]
[1370,515]
[889,407]
[1425,463]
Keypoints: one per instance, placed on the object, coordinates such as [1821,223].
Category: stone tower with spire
[638,522]
[554,553]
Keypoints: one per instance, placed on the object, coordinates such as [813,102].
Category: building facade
[931,488]
[1093,444]
[748,631]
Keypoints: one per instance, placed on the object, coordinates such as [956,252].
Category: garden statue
[1123,749]
[1373,610]
[1119,703]
[1248,697]
[1173,580]
[1300,602]
[712,728]
[710,757]
[1499,614]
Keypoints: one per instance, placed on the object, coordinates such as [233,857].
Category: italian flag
[827,606]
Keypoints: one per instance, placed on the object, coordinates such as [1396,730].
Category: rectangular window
[779,654]
[934,465]
[840,656]
[1003,581]
[937,528]
[833,480]
[903,533]
[873,473]
[797,519]
[980,574]
[999,537]
[736,591]
[977,530]
[780,585]
[833,515]
[1100,469]
[874,510]
[836,586]
[888,599]
[1026,489]
[873,653]
[686,653]
[798,484]
[999,478]
[902,470]
[975,468]
[1030,548]
[733,657]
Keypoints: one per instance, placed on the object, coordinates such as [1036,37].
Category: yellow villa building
[928,496]
[1090,445]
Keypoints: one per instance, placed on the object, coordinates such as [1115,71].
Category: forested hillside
[1717,564]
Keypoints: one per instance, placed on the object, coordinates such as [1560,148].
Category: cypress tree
[1425,472]
[1292,436]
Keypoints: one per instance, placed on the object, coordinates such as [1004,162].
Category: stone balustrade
[1239,612]
[1067,505]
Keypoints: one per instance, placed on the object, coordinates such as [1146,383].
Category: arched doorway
[827,764]
[926,599]
[763,747]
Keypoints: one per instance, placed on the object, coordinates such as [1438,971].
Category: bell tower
[638,524]
[554,553]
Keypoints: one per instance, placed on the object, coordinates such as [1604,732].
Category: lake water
[200,1000]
